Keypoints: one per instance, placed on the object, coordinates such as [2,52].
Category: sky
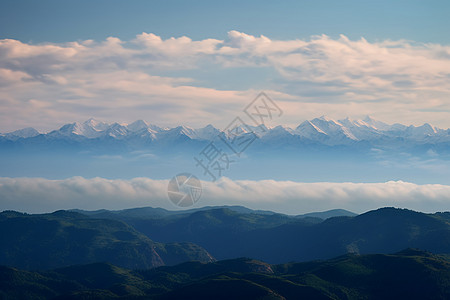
[71,20]
[196,63]
[200,62]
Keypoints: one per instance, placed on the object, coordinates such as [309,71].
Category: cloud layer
[43,195]
[165,81]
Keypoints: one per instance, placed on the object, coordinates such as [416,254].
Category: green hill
[409,274]
[228,233]
[65,238]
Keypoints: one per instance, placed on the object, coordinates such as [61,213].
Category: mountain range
[224,253]
[150,237]
[229,232]
[346,150]
[323,130]
[409,274]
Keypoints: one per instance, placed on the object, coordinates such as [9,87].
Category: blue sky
[199,62]
[69,20]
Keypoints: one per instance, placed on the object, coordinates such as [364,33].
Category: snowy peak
[138,125]
[282,129]
[421,131]
[333,129]
[116,130]
[69,129]
[87,129]
[143,126]
[347,130]
[279,134]
[95,125]
[326,122]
[359,129]
[378,125]
[309,130]
[178,132]
[208,132]
[188,131]
[22,133]
[325,119]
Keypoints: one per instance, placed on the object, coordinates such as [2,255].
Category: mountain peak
[183,130]
[429,127]
[70,128]
[139,122]
[325,118]
[137,125]
[91,121]
[282,128]
[371,122]
[422,131]
[24,133]
[95,124]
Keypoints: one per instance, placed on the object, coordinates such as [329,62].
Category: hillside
[229,233]
[410,274]
[145,238]
[65,238]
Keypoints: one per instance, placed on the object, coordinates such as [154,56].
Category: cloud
[182,46]
[43,195]
[168,80]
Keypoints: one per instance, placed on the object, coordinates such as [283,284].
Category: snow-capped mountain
[321,130]
[22,133]
[318,149]
[279,133]
[325,130]
[140,125]
[90,129]
[208,132]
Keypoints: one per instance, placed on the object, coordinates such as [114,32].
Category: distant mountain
[102,255]
[322,130]
[152,213]
[28,132]
[219,229]
[66,238]
[229,232]
[409,274]
[384,230]
[150,237]
[321,149]
[329,214]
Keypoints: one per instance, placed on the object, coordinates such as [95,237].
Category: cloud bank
[168,80]
[43,195]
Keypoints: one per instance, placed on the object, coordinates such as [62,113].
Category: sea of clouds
[35,195]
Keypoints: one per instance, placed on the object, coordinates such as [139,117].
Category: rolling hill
[228,232]
[65,238]
[409,274]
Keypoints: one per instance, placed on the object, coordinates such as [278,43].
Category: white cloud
[182,46]
[43,195]
[157,79]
